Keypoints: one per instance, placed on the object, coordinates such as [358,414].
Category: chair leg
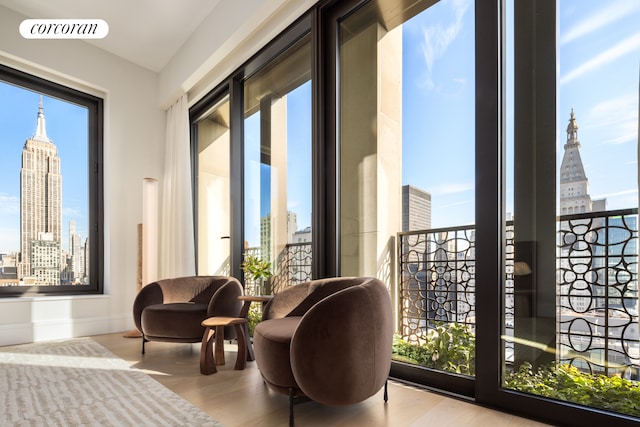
[386,394]
[144,340]
[291,399]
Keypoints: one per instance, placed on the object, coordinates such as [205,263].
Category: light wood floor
[240,398]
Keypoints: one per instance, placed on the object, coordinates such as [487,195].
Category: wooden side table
[244,313]
[215,326]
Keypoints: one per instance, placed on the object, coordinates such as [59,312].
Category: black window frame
[95,199]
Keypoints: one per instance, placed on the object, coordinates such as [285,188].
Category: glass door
[407,180]
[571,288]
[213,214]
[277,169]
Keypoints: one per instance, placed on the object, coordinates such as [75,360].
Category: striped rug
[78,382]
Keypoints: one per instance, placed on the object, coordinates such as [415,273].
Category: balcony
[596,298]
[293,266]
[596,322]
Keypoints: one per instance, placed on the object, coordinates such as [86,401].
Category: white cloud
[618,117]
[599,19]
[445,189]
[437,38]
[616,194]
[9,204]
[10,239]
[627,45]
[71,212]
[463,202]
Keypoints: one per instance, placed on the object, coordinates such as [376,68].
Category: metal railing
[293,266]
[597,292]
[437,279]
[596,288]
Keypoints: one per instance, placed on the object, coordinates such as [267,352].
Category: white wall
[133,149]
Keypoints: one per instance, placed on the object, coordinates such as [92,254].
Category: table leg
[241,359]
[219,345]
[244,312]
[207,361]
[247,343]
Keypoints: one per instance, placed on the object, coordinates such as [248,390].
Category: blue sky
[438,115]
[66,126]
[598,71]
[598,54]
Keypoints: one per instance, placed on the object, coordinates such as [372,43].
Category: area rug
[78,382]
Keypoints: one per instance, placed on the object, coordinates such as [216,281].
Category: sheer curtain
[177,254]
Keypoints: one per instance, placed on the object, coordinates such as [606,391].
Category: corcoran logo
[64,28]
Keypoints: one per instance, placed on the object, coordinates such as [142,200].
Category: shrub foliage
[451,347]
[448,346]
[566,382]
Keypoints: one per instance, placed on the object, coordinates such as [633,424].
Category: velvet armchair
[328,340]
[172,310]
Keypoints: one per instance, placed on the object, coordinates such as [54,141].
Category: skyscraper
[416,209]
[40,208]
[574,184]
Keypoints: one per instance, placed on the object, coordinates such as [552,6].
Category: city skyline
[67,128]
[598,49]
[43,259]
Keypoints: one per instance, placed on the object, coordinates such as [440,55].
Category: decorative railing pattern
[437,279]
[598,292]
[596,288]
[293,266]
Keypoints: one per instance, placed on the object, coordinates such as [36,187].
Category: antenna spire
[41,130]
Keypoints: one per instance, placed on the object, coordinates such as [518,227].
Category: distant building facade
[574,184]
[40,209]
[416,209]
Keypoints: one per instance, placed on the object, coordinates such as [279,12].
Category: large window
[460,151]
[277,166]
[407,183]
[571,294]
[50,187]
[212,147]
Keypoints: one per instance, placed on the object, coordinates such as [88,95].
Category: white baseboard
[26,332]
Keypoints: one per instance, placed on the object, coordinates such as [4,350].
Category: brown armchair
[328,340]
[172,310]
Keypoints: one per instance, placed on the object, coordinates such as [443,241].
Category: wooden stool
[216,325]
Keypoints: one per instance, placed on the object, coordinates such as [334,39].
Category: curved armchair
[172,310]
[329,340]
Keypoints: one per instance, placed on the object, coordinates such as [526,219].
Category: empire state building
[40,209]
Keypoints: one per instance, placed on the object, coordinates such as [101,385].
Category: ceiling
[145,32]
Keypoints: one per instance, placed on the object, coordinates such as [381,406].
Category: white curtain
[177,255]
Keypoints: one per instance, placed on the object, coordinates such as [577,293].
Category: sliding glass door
[571,286]
[277,167]
[406,96]
[213,214]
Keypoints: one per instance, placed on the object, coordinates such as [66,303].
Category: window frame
[95,199]
[490,129]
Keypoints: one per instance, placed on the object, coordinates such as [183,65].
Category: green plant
[448,346]
[257,268]
[566,382]
[253,317]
